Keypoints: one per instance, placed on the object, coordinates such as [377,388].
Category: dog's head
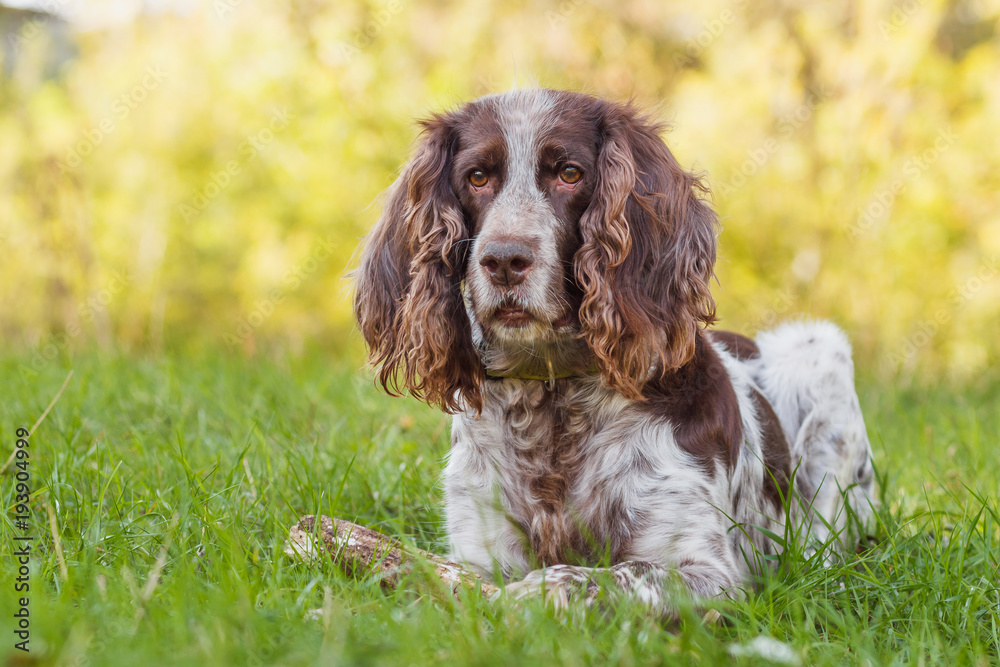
[536,234]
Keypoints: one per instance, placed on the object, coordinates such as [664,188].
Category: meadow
[163,489]
[183,186]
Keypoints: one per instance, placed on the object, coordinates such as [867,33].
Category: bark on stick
[358,550]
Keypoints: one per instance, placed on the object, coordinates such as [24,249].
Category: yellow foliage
[203,177]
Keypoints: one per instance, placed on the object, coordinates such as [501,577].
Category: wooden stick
[359,550]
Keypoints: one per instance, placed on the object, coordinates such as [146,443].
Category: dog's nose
[506,261]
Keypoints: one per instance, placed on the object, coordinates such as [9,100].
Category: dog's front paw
[560,585]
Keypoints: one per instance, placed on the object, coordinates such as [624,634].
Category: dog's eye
[478,178]
[570,174]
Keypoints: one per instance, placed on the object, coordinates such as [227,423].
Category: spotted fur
[599,424]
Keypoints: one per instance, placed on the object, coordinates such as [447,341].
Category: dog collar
[549,379]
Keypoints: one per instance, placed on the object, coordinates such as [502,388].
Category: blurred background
[194,177]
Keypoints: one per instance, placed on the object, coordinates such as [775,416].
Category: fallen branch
[359,550]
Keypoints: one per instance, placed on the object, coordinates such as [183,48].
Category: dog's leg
[805,370]
[653,585]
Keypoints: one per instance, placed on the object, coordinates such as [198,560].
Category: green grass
[204,465]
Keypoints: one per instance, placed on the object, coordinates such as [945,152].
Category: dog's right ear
[408,301]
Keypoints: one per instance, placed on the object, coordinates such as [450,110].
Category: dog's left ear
[647,257]
[408,300]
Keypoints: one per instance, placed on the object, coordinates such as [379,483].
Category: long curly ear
[647,257]
[408,301]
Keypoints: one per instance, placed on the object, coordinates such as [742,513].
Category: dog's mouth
[513,316]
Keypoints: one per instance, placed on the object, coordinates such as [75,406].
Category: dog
[542,270]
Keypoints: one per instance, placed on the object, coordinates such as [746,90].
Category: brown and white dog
[542,270]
